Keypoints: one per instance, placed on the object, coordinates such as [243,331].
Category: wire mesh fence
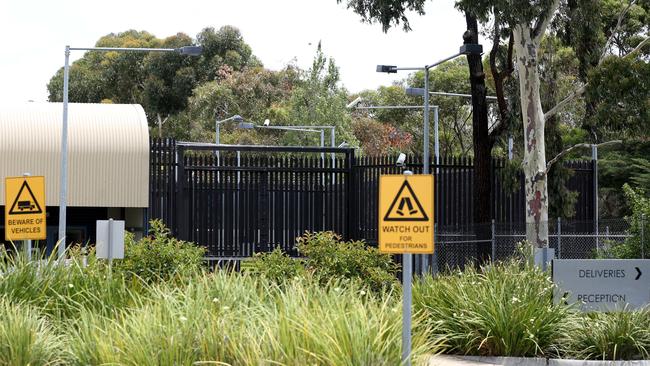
[458,246]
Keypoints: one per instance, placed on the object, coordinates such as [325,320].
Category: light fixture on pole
[465,49]
[63,192]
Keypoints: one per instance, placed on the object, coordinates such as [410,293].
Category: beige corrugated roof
[108,147]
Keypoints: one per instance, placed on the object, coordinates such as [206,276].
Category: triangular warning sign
[406,206]
[25,202]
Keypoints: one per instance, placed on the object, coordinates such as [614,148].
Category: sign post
[602,284]
[110,239]
[25,210]
[406,227]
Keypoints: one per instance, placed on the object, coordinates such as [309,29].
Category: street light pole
[426,121]
[406,317]
[63,189]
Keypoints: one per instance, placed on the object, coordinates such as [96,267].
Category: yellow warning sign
[25,208]
[406,214]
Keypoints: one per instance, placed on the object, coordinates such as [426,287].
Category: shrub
[276,266]
[26,338]
[159,256]
[500,310]
[639,220]
[620,335]
[327,256]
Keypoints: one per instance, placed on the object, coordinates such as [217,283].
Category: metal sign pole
[27,244]
[110,244]
[407,276]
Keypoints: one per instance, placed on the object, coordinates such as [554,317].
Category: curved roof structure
[108,151]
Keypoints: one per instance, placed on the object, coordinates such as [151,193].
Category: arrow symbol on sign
[639,273]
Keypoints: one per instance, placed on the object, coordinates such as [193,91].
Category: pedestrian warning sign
[25,208]
[406,214]
[406,206]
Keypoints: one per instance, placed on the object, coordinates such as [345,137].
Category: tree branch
[619,22]
[580,91]
[638,47]
[576,93]
[540,27]
[576,146]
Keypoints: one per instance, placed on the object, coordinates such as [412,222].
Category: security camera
[401,159]
[267,122]
[354,103]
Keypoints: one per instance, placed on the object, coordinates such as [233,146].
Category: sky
[34,33]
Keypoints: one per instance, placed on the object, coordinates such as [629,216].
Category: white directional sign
[603,284]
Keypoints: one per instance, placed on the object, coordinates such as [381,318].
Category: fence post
[559,238]
[352,219]
[182,216]
[494,245]
[434,256]
[594,160]
[642,236]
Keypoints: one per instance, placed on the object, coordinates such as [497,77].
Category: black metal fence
[237,200]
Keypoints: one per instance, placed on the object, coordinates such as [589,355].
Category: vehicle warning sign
[406,214]
[25,208]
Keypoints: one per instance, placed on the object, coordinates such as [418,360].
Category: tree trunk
[534,164]
[482,144]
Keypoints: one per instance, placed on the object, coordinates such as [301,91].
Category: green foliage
[455,114]
[500,310]
[327,256]
[159,256]
[63,291]
[160,82]
[619,90]
[238,320]
[639,222]
[317,99]
[254,93]
[619,335]
[27,338]
[276,266]
[387,13]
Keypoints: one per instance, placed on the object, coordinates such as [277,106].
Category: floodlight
[245,125]
[190,50]
[391,69]
[471,49]
[415,91]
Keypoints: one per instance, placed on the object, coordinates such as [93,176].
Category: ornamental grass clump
[504,309]
[27,338]
[63,291]
[619,335]
[235,319]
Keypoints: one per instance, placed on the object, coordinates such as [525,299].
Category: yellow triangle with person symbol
[406,206]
